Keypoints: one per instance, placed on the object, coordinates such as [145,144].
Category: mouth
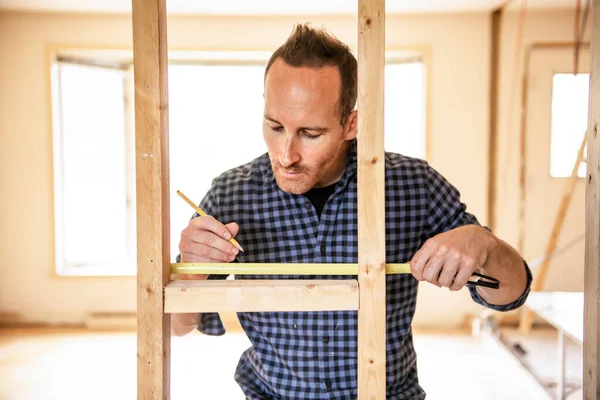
[290,174]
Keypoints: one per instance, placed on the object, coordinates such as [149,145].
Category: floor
[65,365]
[540,352]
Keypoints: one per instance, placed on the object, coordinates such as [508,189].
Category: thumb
[233,228]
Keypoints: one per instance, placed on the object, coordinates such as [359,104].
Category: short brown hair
[310,47]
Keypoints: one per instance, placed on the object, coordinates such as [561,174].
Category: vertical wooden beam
[152,189]
[371,201]
[493,138]
[591,341]
[523,152]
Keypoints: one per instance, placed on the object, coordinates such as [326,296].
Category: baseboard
[111,320]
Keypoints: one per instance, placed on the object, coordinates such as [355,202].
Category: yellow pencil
[203,214]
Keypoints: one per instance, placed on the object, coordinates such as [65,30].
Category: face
[307,144]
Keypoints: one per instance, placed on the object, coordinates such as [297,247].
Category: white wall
[458,46]
[566,271]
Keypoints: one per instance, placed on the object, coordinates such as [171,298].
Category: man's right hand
[204,240]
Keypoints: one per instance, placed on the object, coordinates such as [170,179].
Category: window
[215,123]
[93,208]
[569,122]
[404,112]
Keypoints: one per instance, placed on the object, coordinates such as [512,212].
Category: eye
[309,135]
[276,128]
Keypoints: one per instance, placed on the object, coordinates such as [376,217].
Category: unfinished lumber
[540,277]
[371,201]
[495,23]
[261,295]
[152,193]
[591,340]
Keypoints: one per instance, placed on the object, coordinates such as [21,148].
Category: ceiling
[277,7]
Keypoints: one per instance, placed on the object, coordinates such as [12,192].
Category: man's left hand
[450,258]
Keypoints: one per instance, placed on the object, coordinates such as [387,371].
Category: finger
[189,257]
[449,270]
[201,250]
[432,270]
[420,259]
[417,263]
[211,240]
[209,223]
[461,279]
[233,228]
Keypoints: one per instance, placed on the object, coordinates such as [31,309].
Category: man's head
[309,117]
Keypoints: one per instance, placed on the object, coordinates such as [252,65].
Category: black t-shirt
[319,196]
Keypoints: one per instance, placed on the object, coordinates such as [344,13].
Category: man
[297,204]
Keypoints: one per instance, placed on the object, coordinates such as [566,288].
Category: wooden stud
[540,278]
[261,295]
[496,20]
[152,188]
[371,201]
[523,155]
[591,341]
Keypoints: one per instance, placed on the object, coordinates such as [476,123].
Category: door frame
[523,127]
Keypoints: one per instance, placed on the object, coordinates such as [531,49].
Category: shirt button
[307,205]
[328,383]
[326,339]
[323,249]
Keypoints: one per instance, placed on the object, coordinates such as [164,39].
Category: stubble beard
[305,181]
[308,178]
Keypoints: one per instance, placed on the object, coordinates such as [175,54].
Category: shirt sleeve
[210,323]
[447,212]
[505,307]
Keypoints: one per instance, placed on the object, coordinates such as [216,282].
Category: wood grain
[261,295]
[591,371]
[152,188]
[496,20]
[371,201]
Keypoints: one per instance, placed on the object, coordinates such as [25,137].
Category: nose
[289,155]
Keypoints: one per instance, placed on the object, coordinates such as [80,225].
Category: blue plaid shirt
[313,355]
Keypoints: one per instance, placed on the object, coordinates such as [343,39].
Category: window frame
[62,267]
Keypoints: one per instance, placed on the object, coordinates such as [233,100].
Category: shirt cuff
[505,307]
[211,324]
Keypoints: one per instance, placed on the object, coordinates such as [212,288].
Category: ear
[351,126]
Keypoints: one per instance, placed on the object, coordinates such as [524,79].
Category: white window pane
[569,122]
[215,124]
[405,109]
[92,147]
